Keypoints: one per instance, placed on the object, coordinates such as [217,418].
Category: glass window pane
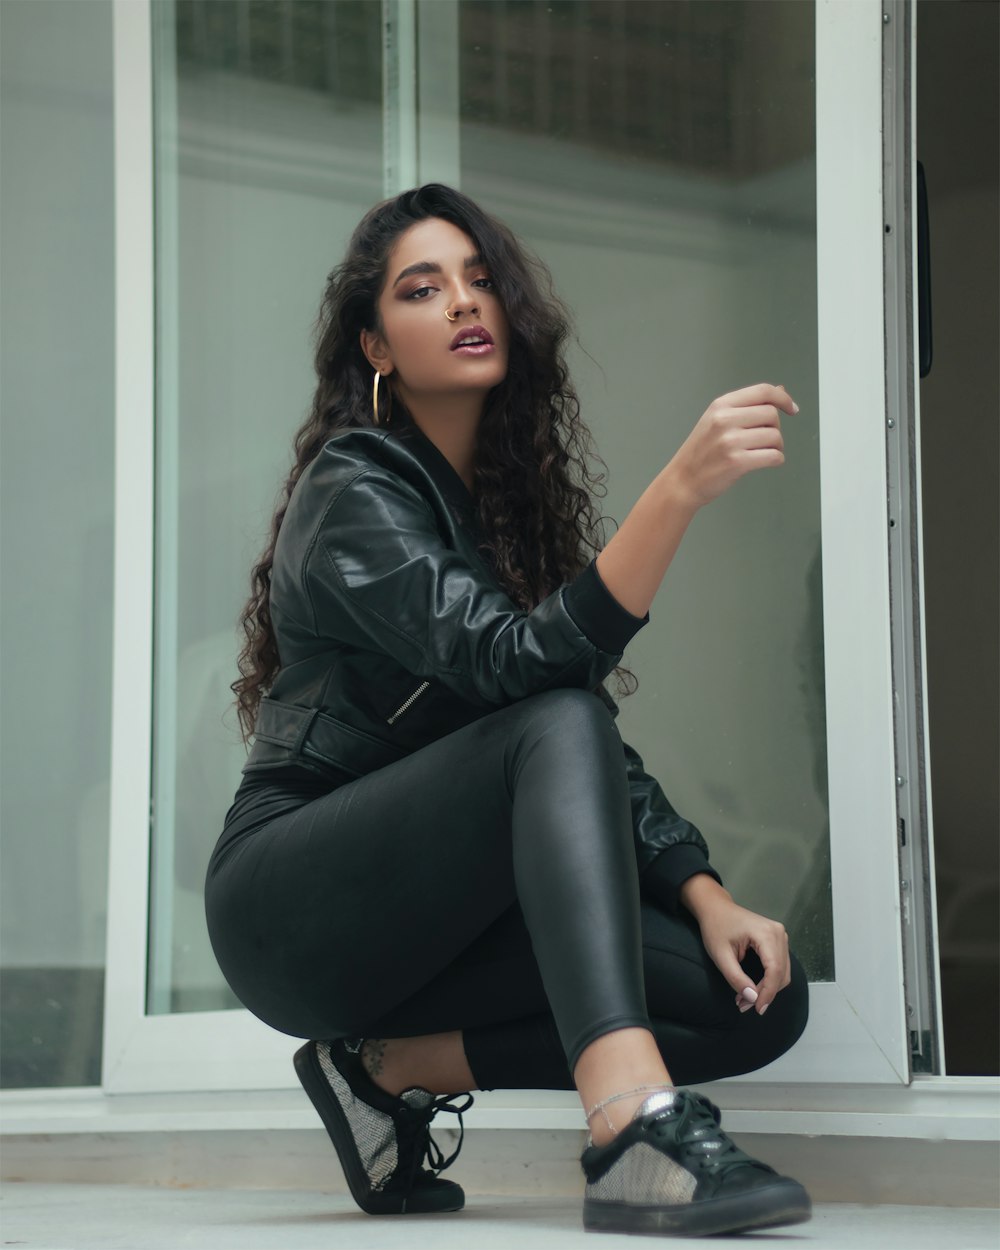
[57,331]
[650,153]
[670,184]
[268,150]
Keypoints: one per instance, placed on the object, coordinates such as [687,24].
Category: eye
[420,292]
[485,283]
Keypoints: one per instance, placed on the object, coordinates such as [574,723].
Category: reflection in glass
[57,519]
[268,149]
[667,175]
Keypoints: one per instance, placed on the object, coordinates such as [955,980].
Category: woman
[443,866]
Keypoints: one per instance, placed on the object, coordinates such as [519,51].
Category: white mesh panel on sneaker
[373,1131]
[417,1096]
[643,1174]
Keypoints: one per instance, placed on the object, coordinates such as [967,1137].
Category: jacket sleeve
[668,848]
[379,574]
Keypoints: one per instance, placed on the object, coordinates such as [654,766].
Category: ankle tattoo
[373,1056]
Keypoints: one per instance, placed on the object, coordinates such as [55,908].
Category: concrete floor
[131,1217]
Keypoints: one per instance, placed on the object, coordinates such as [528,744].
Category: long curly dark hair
[533,483]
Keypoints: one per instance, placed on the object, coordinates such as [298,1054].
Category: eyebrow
[430,266]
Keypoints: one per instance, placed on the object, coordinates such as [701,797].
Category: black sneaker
[382,1140]
[672,1169]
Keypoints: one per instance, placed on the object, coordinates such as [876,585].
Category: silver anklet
[599,1106]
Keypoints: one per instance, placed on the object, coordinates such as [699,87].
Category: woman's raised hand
[737,433]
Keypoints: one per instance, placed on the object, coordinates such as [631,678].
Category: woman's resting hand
[728,931]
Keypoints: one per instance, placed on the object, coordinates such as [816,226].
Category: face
[433,269]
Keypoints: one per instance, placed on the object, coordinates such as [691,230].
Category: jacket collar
[439,468]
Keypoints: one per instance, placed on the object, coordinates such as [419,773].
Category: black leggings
[487,883]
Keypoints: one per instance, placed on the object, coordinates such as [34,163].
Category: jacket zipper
[400,710]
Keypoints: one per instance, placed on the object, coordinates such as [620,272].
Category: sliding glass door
[711,223]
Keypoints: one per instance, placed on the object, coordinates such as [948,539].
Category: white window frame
[857,1031]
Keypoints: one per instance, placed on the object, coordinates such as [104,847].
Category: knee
[789,1012]
[569,710]
[800,996]
[568,721]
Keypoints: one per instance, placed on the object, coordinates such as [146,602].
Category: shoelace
[701,1138]
[416,1126]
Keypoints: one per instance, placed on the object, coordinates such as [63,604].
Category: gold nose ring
[449,316]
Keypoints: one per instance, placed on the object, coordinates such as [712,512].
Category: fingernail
[763,1009]
[745,1006]
[795,406]
[750,994]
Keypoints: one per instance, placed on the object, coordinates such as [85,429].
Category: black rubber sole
[767,1207]
[433,1196]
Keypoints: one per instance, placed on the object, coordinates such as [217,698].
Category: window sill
[931,1108]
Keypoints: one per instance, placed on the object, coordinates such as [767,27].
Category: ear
[377,352]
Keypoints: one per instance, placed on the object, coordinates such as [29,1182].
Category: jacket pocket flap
[311,733]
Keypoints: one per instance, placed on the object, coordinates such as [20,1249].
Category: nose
[463,299]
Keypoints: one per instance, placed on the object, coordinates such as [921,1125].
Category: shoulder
[362,488]
[366,460]
[352,468]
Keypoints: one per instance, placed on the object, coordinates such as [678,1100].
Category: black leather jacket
[393,631]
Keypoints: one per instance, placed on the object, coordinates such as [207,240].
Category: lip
[479,332]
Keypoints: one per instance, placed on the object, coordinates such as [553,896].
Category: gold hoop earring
[378,375]
[449,316]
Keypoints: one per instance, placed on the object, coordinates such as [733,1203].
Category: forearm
[702,892]
[635,561]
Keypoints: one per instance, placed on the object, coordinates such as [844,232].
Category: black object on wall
[923,274]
